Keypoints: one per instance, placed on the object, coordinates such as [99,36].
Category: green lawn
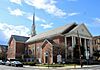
[54,65]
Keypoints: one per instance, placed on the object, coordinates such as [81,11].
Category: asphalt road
[3,67]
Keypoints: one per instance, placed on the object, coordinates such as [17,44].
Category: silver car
[8,63]
[0,62]
[16,64]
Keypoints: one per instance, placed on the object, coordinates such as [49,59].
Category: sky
[16,16]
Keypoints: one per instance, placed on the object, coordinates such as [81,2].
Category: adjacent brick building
[96,47]
[16,47]
[96,43]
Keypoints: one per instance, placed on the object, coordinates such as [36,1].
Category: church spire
[33,33]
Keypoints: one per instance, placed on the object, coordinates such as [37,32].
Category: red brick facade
[11,50]
[46,46]
[20,48]
[16,49]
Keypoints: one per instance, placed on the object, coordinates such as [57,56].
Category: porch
[78,46]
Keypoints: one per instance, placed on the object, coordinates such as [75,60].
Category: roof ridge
[19,35]
[57,28]
[50,33]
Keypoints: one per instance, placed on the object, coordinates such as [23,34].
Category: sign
[58,58]
[87,54]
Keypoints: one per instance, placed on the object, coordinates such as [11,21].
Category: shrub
[29,63]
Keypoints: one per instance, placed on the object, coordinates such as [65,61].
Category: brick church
[46,47]
[61,41]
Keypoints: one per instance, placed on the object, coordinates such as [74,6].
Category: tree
[76,51]
[0,56]
[96,54]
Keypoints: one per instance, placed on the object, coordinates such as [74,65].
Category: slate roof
[18,38]
[50,33]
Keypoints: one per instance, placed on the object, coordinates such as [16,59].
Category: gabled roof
[50,33]
[18,38]
[51,42]
[82,29]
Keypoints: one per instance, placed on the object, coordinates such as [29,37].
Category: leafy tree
[96,54]
[0,56]
[76,51]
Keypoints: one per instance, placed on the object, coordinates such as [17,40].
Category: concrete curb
[75,67]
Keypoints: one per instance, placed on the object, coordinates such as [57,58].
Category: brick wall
[11,50]
[57,39]
[15,49]
[20,49]
[47,48]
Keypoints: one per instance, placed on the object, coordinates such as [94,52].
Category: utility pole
[79,48]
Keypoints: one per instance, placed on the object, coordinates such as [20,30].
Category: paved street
[3,67]
[91,67]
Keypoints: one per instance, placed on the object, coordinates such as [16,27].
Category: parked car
[8,63]
[16,64]
[3,62]
[0,62]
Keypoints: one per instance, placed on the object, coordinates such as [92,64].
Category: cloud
[30,17]
[9,30]
[47,5]
[97,20]
[16,1]
[3,40]
[16,12]
[72,14]
[45,26]
[39,19]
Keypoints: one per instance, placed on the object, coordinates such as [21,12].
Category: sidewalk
[77,66]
